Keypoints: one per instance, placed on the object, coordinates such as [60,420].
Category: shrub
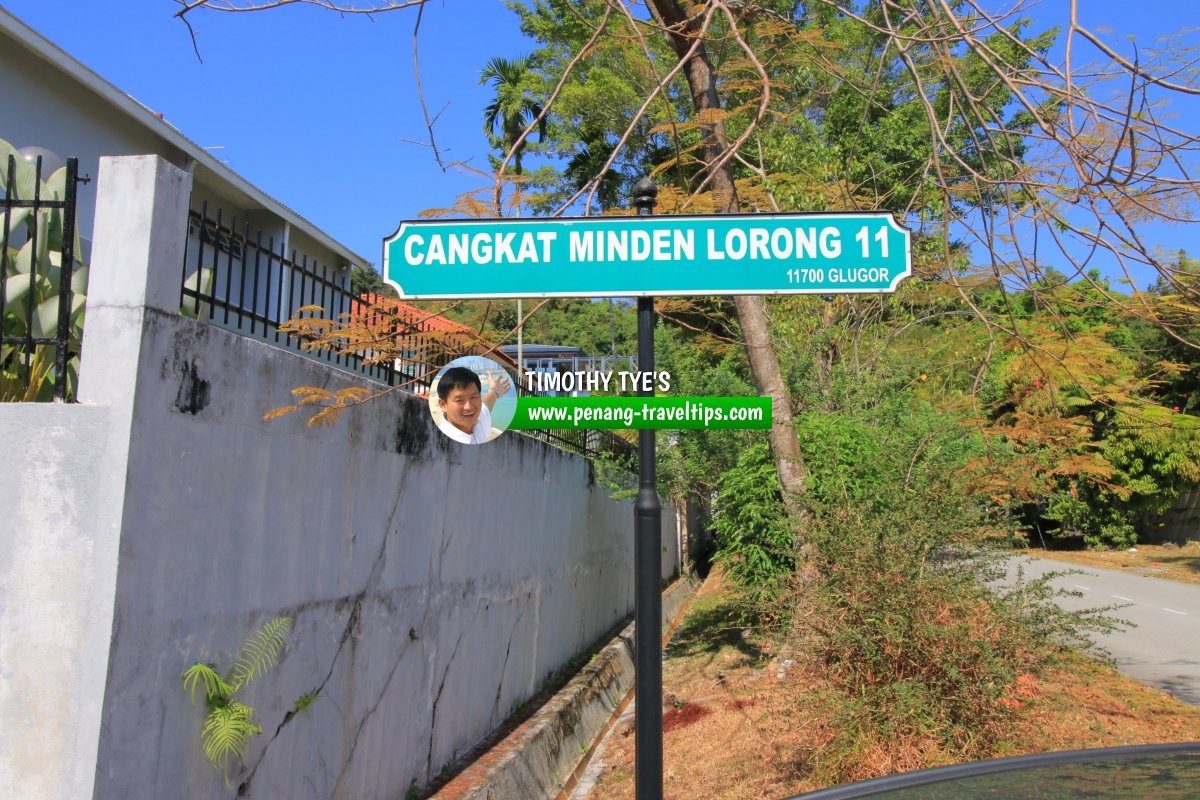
[31,269]
[925,651]
[754,540]
[908,628]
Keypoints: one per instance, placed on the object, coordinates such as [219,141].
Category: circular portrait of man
[472,400]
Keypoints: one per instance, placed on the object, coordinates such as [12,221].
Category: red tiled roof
[429,321]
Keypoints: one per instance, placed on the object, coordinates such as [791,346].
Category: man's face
[461,407]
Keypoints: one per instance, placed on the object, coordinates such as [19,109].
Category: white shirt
[480,434]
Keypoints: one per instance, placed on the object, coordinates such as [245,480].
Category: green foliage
[227,730]
[845,125]
[303,702]
[907,629]
[513,107]
[203,674]
[926,651]
[845,456]
[1099,523]
[617,474]
[595,105]
[365,280]
[587,162]
[900,600]
[754,540]
[694,461]
[229,725]
[31,270]
[1084,438]
[595,327]
[260,652]
[881,443]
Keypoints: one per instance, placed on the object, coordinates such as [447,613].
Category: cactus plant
[31,264]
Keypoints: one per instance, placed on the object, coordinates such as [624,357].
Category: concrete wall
[58,534]
[433,586]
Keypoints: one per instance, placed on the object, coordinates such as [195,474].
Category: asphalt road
[1163,650]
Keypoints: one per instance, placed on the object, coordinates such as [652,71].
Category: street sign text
[646,256]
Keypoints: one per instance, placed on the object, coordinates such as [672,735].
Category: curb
[545,754]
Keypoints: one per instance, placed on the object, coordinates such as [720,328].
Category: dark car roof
[1161,772]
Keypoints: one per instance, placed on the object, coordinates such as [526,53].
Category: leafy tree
[949,114]
[595,328]
[587,162]
[368,281]
[693,463]
[1080,420]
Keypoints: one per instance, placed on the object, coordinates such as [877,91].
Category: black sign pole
[648,755]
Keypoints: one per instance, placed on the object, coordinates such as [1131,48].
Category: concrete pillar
[137,261]
[137,264]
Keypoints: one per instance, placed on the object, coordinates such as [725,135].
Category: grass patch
[717,622]
[1160,561]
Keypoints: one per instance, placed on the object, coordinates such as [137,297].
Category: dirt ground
[1163,561]
[741,722]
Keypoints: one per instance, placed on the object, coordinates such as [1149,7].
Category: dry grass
[1163,561]
[768,728]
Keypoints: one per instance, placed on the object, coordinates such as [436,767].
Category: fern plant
[229,725]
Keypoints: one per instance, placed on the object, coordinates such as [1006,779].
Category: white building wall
[47,99]
[37,108]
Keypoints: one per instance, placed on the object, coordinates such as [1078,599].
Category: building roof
[42,48]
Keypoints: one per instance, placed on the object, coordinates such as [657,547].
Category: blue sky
[313,108]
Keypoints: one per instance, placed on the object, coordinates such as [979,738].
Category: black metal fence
[40,315]
[592,444]
[242,281]
[235,278]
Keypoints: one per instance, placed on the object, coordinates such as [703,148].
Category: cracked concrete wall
[433,586]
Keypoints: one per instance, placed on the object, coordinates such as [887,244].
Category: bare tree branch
[340,6]
[420,92]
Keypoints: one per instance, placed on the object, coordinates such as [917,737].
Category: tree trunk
[751,309]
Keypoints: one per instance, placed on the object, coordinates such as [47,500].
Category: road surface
[1164,649]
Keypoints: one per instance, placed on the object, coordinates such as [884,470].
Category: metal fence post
[63,337]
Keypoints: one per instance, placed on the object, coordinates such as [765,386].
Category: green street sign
[648,256]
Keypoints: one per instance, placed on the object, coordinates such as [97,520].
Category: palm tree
[586,164]
[512,109]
